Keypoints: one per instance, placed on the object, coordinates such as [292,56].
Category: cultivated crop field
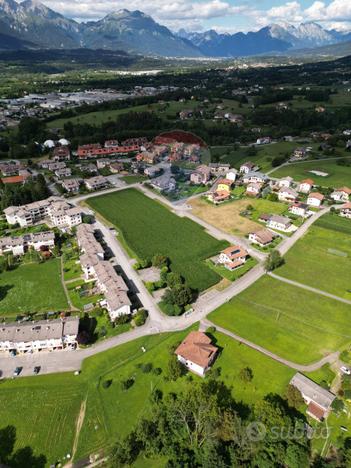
[338,175]
[294,323]
[227,216]
[322,258]
[149,228]
[32,288]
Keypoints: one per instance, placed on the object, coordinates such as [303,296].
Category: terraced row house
[19,245]
[43,335]
[111,285]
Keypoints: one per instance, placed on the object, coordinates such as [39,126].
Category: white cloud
[193,14]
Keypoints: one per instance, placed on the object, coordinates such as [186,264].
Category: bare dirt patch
[225,217]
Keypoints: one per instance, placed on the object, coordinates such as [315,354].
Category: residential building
[218,169]
[305,186]
[223,185]
[96,183]
[285,182]
[299,154]
[43,335]
[232,175]
[255,177]
[61,153]
[287,194]
[318,399]
[21,244]
[281,223]
[52,165]
[315,199]
[71,185]
[57,211]
[248,167]
[96,151]
[233,257]
[196,352]
[263,237]
[65,172]
[253,189]
[116,167]
[345,210]
[111,285]
[218,196]
[341,194]
[202,175]
[299,209]
[165,183]
[103,162]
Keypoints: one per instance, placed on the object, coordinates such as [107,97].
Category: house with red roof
[196,352]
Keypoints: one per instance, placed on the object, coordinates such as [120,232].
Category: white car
[345,370]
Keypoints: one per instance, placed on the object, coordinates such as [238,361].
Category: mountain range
[30,25]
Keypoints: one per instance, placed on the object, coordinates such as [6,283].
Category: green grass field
[32,288]
[293,323]
[322,258]
[45,409]
[338,175]
[149,228]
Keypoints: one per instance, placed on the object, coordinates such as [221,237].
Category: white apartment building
[57,211]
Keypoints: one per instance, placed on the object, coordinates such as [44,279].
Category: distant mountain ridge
[273,38]
[31,24]
[130,31]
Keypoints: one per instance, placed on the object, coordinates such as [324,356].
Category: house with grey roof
[43,335]
[318,399]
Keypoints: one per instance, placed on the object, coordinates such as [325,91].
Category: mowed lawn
[322,258]
[44,409]
[149,228]
[32,288]
[338,175]
[294,323]
[227,216]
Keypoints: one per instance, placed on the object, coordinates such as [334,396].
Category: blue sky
[222,15]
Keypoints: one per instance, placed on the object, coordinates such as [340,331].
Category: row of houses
[43,335]
[19,245]
[109,283]
[55,210]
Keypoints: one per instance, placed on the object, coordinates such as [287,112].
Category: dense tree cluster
[204,426]
[34,189]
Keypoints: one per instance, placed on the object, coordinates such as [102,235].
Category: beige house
[287,194]
[263,237]
[305,186]
[96,183]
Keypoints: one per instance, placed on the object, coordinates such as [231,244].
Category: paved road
[310,288]
[330,358]
[286,244]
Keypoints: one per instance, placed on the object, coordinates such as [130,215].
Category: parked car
[345,370]
[36,370]
[13,353]
[17,371]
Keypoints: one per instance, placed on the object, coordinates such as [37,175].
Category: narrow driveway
[310,288]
